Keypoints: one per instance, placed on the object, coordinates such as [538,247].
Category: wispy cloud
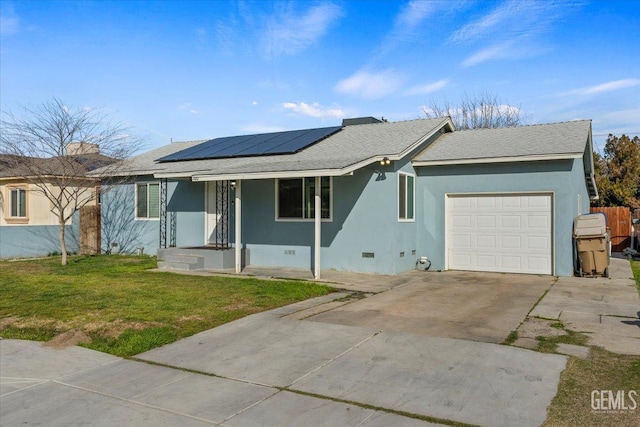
[605,87]
[288,33]
[511,30]
[409,24]
[414,13]
[313,110]
[370,85]
[505,13]
[274,29]
[497,51]
[428,88]
[9,21]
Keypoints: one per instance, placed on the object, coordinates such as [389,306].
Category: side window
[147,200]
[406,197]
[18,202]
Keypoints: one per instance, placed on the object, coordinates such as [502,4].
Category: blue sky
[203,69]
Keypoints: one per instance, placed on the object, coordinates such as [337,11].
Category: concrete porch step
[189,264]
[186,259]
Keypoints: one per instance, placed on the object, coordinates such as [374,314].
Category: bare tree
[52,146]
[480,111]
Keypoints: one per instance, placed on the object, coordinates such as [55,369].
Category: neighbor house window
[18,201]
[295,198]
[406,197]
[148,200]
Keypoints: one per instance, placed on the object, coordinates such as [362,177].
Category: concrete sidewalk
[269,370]
[76,387]
[606,309]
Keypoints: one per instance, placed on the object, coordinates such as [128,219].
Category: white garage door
[503,233]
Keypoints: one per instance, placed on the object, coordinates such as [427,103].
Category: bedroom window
[18,201]
[295,198]
[406,197]
[147,200]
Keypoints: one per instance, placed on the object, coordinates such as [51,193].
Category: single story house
[367,196]
[29,227]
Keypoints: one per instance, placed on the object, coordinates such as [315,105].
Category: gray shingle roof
[561,139]
[350,146]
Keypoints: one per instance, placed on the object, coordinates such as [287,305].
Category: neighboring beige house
[28,224]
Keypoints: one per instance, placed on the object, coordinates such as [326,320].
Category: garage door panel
[461,241]
[538,242]
[538,221]
[511,262]
[503,233]
[512,202]
[486,221]
[511,242]
[539,202]
[486,261]
[486,242]
[511,221]
[462,260]
[461,221]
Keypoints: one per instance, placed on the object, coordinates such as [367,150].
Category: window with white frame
[295,198]
[406,197]
[148,200]
[18,202]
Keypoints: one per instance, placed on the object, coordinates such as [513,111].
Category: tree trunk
[63,244]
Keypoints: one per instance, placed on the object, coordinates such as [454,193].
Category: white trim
[206,213]
[317,232]
[238,224]
[277,202]
[552,194]
[511,159]
[406,199]
[274,175]
[135,201]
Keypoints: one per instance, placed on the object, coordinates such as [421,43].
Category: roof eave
[510,159]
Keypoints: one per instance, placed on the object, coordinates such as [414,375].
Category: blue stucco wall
[365,217]
[119,225]
[364,220]
[565,178]
[26,241]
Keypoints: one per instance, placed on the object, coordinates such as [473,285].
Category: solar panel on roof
[287,142]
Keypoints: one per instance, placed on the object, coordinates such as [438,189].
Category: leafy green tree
[618,172]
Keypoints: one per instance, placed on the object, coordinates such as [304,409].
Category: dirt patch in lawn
[68,339]
[117,327]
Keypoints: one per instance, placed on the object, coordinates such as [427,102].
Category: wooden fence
[619,223]
[90,230]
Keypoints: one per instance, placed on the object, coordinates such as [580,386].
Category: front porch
[210,257]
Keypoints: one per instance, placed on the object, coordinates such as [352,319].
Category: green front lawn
[635,266]
[123,308]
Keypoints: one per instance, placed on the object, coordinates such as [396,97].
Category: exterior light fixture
[385,161]
[233,185]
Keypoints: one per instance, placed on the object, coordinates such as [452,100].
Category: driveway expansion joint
[134,402]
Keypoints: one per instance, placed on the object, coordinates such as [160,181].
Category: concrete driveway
[483,307]
[271,370]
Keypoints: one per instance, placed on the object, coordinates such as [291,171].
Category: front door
[217,213]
